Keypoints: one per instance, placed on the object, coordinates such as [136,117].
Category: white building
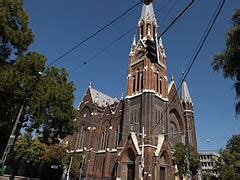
[208,160]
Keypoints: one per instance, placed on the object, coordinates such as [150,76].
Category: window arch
[85,118]
[117,137]
[148,29]
[105,135]
[141,31]
[134,83]
[172,132]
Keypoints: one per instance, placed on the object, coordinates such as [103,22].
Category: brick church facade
[134,136]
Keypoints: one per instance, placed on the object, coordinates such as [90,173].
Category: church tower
[146,80]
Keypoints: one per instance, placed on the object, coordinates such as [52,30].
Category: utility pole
[142,158]
[69,168]
[11,137]
[187,156]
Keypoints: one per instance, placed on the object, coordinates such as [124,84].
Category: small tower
[188,115]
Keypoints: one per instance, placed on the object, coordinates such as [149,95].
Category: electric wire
[195,55]
[177,18]
[94,34]
[112,43]
[102,50]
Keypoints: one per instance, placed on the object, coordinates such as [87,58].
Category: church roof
[100,98]
[148,12]
[185,95]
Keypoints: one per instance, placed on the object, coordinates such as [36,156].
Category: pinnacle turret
[185,95]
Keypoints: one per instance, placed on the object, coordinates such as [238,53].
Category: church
[133,137]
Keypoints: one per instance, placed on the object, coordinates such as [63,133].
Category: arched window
[134,83]
[82,133]
[172,132]
[154,30]
[105,135]
[117,136]
[141,77]
[141,33]
[160,82]
[149,29]
[85,119]
[138,79]
[157,82]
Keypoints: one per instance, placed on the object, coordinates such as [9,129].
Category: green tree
[77,160]
[229,162]
[32,158]
[15,34]
[181,151]
[228,60]
[45,92]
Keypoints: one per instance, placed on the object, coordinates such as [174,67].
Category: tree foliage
[228,60]
[15,34]
[181,152]
[32,158]
[45,92]
[229,162]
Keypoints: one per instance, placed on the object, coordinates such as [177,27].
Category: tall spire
[185,95]
[147,23]
[148,12]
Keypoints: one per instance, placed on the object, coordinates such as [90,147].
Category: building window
[154,31]
[141,31]
[160,85]
[148,29]
[134,83]
[117,135]
[138,80]
[172,132]
[157,82]
[134,119]
[141,77]
[102,141]
[104,138]
[82,133]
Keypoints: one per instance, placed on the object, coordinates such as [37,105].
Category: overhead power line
[102,50]
[112,43]
[195,55]
[176,19]
[94,34]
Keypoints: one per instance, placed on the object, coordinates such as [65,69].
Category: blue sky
[59,25]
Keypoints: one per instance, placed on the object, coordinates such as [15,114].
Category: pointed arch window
[82,133]
[172,132]
[160,83]
[154,31]
[148,29]
[141,81]
[138,79]
[134,83]
[104,138]
[141,31]
[157,82]
[117,137]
